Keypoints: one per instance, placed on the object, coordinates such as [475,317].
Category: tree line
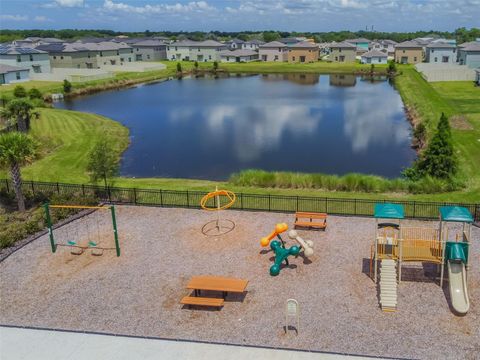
[461,34]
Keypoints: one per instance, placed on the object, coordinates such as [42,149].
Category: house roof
[303,45]
[8,68]
[471,46]
[359,40]
[455,214]
[236,41]
[238,52]
[255,41]
[79,47]
[343,45]
[441,45]
[388,211]
[18,50]
[408,45]
[149,43]
[374,53]
[273,44]
[206,43]
[290,40]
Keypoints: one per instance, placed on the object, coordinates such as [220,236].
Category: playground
[139,292]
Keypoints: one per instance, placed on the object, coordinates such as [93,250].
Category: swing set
[70,236]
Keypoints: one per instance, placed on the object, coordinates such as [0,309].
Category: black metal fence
[260,202]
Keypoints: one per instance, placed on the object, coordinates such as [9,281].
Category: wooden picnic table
[217,283]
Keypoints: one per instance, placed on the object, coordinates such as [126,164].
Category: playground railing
[260,202]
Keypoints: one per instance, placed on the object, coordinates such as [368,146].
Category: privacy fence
[260,202]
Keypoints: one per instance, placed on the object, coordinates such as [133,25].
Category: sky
[238,15]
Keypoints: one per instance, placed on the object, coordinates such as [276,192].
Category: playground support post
[49,225]
[115,232]
[444,243]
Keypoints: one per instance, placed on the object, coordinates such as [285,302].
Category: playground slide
[458,286]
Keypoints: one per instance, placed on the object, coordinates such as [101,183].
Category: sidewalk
[26,344]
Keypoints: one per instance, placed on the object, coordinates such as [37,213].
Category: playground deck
[139,292]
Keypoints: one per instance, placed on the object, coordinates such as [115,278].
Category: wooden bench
[202,301]
[310,220]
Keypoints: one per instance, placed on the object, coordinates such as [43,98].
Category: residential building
[252,44]
[149,50]
[179,50]
[188,50]
[361,44]
[12,74]
[387,46]
[469,54]
[303,52]
[441,53]
[273,51]
[477,80]
[235,44]
[239,55]
[408,52]
[374,57]
[342,52]
[35,41]
[290,40]
[36,61]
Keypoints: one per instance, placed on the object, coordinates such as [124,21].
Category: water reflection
[209,128]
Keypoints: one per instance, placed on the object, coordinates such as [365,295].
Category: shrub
[19,91]
[67,86]
[34,93]
[392,67]
[179,67]
[215,66]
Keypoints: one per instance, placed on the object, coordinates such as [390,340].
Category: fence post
[296,207]
[135,196]
[355,207]
[109,195]
[58,189]
[241,201]
[269,200]
[33,188]
[414,210]
[161,198]
[83,190]
[188,200]
[8,187]
[326,205]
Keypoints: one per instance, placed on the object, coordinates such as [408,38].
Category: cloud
[41,19]
[64,4]
[14,17]
[193,6]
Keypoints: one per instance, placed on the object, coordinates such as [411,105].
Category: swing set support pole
[115,232]
[49,225]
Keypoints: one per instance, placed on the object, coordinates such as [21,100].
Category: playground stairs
[388,285]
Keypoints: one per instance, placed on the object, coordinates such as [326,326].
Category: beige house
[408,52]
[343,52]
[273,51]
[303,52]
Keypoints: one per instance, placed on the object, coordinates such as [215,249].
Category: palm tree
[16,149]
[19,112]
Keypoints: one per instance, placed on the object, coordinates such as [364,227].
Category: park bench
[202,301]
[310,220]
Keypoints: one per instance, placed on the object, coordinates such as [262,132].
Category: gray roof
[255,41]
[18,50]
[79,47]
[303,45]
[236,41]
[343,45]
[441,45]
[206,43]
[273,44]
[359,40]
[8,68]
[149,43]
[374,53]
[289,40]
[238,52]
[471,46]
[409,45]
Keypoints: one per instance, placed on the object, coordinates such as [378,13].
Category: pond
[208,128]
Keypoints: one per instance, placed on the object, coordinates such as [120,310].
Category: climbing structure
[388,285]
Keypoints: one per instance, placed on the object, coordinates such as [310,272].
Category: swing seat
[95,250]
[71,243]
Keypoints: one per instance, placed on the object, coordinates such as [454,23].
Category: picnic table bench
[212,283]
[310,220]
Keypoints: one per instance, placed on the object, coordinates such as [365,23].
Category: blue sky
[235,15]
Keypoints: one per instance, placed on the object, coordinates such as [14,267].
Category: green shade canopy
[456,214]
[389,211]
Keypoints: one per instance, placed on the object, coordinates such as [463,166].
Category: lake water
[209,128]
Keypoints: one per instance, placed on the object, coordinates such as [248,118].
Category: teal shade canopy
[456,214]
[389,211]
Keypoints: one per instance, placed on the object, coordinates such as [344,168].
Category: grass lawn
[71,135]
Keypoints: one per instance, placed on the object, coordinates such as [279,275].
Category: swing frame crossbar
[50,226]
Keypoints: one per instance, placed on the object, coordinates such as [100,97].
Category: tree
[438,160]
[270,36]
[67,86]
[16,149]
[19,91]
[103,162]
[195,65]
[420,134]
[215,66]
[179,67]
[19,112]
[392,68]
[34,93]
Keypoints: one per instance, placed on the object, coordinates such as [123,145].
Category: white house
[238,55]
[36,61]
[441,53]
[202,51]
[12,74]
[252,45]
[179,50]
[273,51]
[374,57]
[387,46]
[469,54]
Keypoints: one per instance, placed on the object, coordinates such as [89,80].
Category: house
[374,57]
[273,51]
[149,50]
[408,52]
[387,46]
[35,41]
[252,44]
[441,53]
[477,80]
[235,44]
[469,54]
[303,52]
[12,74]
[188,50]
[179,50]
[36,61]
[361,44]
[288,41]
[239,55]
[342,52]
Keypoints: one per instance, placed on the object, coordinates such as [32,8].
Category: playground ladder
[388,285]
